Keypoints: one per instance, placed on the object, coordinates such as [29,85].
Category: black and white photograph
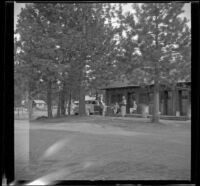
[102,91]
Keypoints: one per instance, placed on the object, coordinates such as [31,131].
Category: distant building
[172,102]
[40,104]
[89,98]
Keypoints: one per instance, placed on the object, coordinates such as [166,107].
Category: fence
[20,113]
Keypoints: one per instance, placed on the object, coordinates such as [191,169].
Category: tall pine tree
[157,46]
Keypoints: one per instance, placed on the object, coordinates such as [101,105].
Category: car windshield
[90,102]
[86,102]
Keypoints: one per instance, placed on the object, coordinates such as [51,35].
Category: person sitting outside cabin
[116,108]
[123,106]
[134,107]
[103,105]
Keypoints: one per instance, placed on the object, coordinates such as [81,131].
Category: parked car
[91,107]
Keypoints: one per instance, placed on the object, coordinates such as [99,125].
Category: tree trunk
[165,103]
[30,109]
[49,100]
[62,103]
[63,100]
[155,117]
[96,95]
[82,111]
[82,101]
[174,100]
[58,109]
[189,105]
[69,104]
[29,105]
[82,94]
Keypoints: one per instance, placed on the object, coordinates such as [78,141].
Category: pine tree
[36,54]
[157,47]
[59,42]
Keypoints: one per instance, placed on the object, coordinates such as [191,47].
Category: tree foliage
[65,46]
[157,35]
[70,49]
[156,48]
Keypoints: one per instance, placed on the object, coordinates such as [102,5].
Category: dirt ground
[106,148]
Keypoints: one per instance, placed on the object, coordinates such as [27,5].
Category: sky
[187,13]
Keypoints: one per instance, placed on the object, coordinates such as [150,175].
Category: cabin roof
[39,101]
[126,84]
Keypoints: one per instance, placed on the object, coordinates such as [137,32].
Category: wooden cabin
[173,101]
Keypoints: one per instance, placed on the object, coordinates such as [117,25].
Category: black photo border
[8,100]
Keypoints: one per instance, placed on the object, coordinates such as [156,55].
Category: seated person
[116,108]
[134,108]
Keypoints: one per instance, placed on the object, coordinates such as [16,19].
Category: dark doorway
[116,98]
[165,110]
[180,102]
[131,98]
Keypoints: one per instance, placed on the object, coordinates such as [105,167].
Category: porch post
[127,102]
[189,105]
[137,92]
[107,97]
[180,102]
[176,102]
[165,102]
[174,95]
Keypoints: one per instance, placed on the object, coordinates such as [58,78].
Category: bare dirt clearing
[108,148]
